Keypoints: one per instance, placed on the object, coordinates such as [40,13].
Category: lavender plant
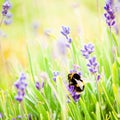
[92,64]
[109,15]
[51,103]
[6,13]
[65,32]
[87,50]
[6,6]
[20,85]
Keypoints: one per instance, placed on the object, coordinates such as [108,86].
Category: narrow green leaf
[86,112]
[114,73]
[98,114]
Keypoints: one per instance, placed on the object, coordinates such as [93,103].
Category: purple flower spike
[6,6]
[65,31]
[21,85]
[87,50]
[93,65]
[109,15]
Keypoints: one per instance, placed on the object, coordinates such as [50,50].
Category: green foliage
[100,99]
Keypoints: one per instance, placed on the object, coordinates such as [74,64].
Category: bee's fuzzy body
[76,81]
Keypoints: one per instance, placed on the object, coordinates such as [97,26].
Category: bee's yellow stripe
[83,83]
[71,76]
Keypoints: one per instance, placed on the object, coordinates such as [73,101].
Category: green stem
[30,62]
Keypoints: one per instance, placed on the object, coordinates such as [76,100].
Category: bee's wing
[79,83]
[86,80]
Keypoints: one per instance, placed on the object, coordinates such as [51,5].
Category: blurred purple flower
[55,74]
[37,85]
[21,85]
[19,117]
[110,2]
[9,15]
[87,50]
[75,69]
[13,119]
[6,6]
[35,26]
[109,15]
[98,77]
[65,32]
[7,21]
[1,116]
[61,47]
[93,65]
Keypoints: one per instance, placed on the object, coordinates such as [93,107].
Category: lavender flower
[110,2]
[61,47]
[55,74]
[21,85]
[37,85]
[73,93]
[35,26]
[93,65]
[13,119]
[87,50]
[19,117]
[8,19]
[6,6]
[1,116]
[65,32]
[98,77]
[9,15]
[75,69]
[109,15]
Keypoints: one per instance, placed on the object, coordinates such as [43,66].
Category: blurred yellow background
[33,19]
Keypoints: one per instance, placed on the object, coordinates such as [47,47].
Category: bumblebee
[77,82]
